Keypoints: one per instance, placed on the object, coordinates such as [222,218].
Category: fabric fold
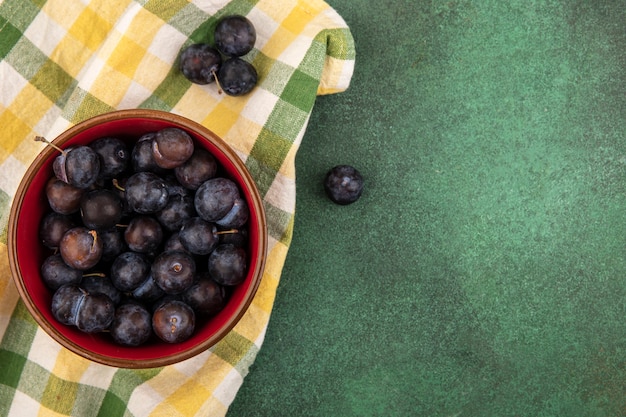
[63,61]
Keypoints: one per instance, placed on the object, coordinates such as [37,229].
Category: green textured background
[483,271]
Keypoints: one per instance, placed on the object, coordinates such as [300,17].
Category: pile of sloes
[144,237]
[202,63]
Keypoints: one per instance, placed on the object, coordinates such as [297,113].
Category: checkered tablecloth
[62,61]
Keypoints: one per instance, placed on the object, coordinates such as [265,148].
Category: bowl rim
[159,116]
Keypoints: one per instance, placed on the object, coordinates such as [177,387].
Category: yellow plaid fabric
[62,61]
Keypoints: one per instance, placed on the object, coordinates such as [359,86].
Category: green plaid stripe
[111,406]
[338,43]
[34,387]
[13,366]
[54,82]
[21,331]
[277,73]
[121,388]
[14,349]
[165,10]
[10,375]
[26,58]
[83,105]
[236,350]
[10,36]
[59,403]
[20,13]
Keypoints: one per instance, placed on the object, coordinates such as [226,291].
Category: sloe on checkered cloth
[62,61]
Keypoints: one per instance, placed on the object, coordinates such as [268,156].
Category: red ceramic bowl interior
[27,254]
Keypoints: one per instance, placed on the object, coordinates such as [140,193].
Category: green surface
[483,271]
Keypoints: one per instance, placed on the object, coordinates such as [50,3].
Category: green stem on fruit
[177,267]
[217,81]
[117,185]
[95,274]
[47,142]
[93,234]
[227,232]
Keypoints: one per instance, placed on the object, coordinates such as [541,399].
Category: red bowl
[26,253]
